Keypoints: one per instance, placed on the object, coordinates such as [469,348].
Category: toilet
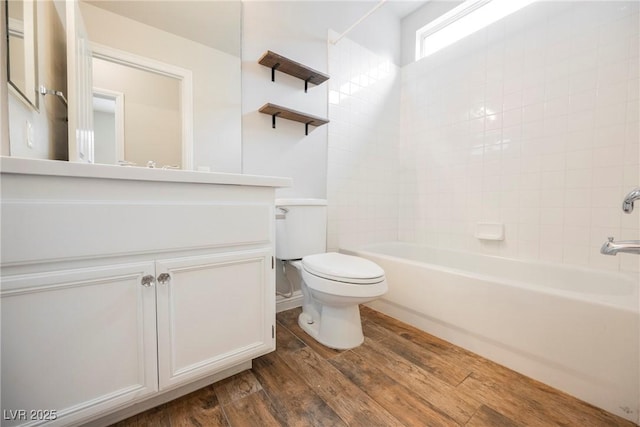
[332,284]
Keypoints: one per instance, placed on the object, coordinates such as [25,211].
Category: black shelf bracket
[273,71]
[306,84]
[273,123]
[273,119]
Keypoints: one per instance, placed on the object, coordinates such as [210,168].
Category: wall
[532,122]
[297,30]
[49,121]
[362,178]
[216,82]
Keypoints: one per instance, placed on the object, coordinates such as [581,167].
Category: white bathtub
[573,328]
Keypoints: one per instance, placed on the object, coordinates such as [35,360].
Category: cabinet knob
[147,280]
[164,278]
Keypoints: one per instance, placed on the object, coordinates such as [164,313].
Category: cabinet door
[77,342]
[215,312]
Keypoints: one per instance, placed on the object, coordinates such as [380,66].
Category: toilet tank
[301,227]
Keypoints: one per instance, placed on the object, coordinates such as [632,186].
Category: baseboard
[164,397]
[283,304]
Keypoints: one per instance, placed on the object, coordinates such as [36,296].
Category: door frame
[118,98]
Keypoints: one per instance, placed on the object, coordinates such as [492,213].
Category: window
[459,22]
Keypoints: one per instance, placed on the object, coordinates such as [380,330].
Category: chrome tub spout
[632,196]
[624,246]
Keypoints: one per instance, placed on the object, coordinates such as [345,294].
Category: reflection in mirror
[151,124]
[108,126]
[202,37]
[21,48]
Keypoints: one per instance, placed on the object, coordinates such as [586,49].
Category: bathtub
[573,328]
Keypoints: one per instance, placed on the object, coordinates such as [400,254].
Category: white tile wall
[532,122]
[362,180]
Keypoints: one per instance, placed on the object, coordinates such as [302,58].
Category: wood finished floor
[400,376]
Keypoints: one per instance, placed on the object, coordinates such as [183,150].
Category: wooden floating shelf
[293,68]
[289,114]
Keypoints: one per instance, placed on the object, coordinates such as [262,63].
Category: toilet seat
[343,268]
[343,291]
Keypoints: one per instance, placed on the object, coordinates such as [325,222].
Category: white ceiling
[214,23]
[402,8]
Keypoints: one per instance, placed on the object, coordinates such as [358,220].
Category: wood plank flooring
[400,376]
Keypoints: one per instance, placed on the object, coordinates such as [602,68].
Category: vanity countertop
[16,165]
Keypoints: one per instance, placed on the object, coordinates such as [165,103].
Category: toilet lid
[343,268]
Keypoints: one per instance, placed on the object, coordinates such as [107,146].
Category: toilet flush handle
[282,214]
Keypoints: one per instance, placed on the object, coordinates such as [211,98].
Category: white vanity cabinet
[117,291]
[76,342]
[212,313]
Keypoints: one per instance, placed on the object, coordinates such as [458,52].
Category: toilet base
[339,328]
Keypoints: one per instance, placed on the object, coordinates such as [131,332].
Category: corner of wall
[56,72]
[285,150]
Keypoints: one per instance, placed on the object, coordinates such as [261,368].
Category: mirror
[201,38]
[21,48]
[149,121]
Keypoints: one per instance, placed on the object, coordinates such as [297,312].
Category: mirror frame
[31,57]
